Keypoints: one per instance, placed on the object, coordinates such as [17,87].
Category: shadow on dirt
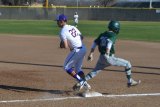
[60,66]
[24,89]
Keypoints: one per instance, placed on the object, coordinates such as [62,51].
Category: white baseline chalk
[66,98]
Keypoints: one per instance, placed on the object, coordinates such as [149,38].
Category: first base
[91,94]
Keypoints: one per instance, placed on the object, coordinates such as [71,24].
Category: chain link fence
[121,14]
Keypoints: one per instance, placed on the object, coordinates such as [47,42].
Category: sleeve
[112,38]
[109,44]
[63,35]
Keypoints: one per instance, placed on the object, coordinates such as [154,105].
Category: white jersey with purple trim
[78,49]
[72,35]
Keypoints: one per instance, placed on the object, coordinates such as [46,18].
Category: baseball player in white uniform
[71,38]
[76,19]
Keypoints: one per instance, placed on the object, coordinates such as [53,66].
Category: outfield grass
[145,31]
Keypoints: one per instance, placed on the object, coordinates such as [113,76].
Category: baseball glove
[62,44]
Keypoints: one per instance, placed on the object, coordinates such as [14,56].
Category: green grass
[28,27]
[144,31]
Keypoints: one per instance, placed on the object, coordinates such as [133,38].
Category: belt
[78,47]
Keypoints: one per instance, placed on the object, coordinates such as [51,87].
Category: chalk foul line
[66,98]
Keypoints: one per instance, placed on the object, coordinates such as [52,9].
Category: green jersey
[102,42]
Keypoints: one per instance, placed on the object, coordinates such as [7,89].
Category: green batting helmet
[114,26]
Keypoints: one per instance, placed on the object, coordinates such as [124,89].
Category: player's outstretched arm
[90,56]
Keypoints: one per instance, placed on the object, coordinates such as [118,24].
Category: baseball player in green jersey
[105,43]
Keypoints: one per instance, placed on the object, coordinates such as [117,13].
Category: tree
[105,3]
[16,2]
[7,2]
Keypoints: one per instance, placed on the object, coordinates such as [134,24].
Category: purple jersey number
[73,32]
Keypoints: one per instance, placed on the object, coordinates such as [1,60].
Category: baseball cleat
[81,85]
[87,87]
[77,87]
[133,83]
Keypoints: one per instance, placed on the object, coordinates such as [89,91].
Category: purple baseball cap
[61,17]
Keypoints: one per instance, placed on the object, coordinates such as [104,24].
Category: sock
[91,75]
[128,74]
[88,77]
[81,74]
[74,74]
[129,78]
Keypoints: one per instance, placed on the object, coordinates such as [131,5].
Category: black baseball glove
[62,44]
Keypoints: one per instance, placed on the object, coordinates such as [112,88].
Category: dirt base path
[31,75]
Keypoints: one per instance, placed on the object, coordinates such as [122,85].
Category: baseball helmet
[61,17]
[114,26]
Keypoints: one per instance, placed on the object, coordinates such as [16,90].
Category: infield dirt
[31,67]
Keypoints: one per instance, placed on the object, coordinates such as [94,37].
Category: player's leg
[124,63]
[79,61]
[68,65]
[78,68]
[101,64]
